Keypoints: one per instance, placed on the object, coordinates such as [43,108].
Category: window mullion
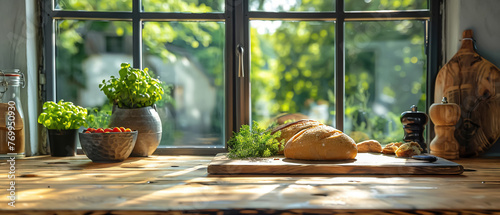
[49,52]
[318,16]
[241,84]
[137,33]
[434,56]
[229,71]
[339,66]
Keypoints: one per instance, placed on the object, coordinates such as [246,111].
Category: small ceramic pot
[63,142]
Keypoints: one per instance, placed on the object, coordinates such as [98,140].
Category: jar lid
[13,76]
[9,71]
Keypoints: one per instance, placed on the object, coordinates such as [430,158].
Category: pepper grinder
[414,124]
[445,116]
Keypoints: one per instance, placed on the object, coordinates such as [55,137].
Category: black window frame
[237,18]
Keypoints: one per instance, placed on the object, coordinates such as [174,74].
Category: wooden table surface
[181,185]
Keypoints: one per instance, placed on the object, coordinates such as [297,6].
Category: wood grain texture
[364,164]
[267,211]
[445,116]
[473,83]
[181,185]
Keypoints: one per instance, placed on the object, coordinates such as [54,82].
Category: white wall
[483,18]
[18,51]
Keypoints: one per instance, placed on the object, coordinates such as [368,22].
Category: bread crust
[291,129]
[321,143]
[409,149]
[369,146]
[391,148]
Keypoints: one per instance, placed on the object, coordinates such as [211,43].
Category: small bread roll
[290,129]
[321,143]
[409,149]
[391,148]
[369,146]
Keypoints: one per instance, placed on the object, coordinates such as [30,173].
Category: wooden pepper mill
[445,116]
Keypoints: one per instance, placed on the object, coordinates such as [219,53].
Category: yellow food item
[290,129]
[391,148]
[409,149]
[321,142]
[369,146]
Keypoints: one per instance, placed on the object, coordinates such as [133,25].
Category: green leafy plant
[62,115]
[98,118]
[134,88]
[255,142]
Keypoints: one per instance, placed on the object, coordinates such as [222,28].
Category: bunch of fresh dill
[254,142]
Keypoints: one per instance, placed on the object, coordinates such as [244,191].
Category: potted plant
[62,119]
[134,95]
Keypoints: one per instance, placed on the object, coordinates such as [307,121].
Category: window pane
[385,74]
[186,6]
[292,70]
[375,5]
[93,5]
[88,52]
[291,5]
[189,57]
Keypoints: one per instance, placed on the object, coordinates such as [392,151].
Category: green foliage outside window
[290,77]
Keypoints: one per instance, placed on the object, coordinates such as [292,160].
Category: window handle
[240,52]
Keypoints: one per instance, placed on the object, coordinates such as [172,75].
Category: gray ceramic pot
[146,121]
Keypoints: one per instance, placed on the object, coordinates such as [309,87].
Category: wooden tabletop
[181,185]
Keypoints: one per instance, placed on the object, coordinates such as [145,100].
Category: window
[355,65]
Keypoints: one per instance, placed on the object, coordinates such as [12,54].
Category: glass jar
[11,114]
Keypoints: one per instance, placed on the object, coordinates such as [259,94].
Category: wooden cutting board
[364,164]
[473,83]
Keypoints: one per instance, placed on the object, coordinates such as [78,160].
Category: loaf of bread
[369,146]
[288,130]
[320,142]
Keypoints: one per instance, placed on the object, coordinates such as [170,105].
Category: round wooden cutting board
[473,83]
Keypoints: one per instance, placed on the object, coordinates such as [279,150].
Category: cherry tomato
[116,129]
[99,130]
[123,129]
[128,130]
[108,130]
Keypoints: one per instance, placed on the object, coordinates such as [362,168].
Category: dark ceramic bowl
[108,147]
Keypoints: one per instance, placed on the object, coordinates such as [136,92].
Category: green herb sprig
[255,142]
[62,115]
[134,88]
